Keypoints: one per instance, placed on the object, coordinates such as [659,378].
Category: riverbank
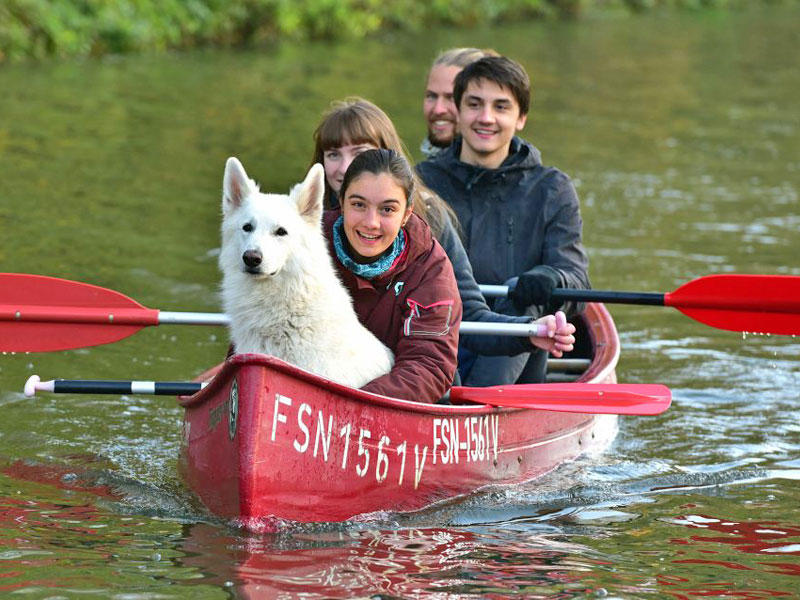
[43,29]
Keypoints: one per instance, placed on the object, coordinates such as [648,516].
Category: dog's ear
[309,196]
[236,185]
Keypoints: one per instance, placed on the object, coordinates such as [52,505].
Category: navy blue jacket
[515,217]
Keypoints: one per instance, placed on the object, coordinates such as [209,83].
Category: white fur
[293,305]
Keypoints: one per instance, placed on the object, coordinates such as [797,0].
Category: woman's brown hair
[357,121]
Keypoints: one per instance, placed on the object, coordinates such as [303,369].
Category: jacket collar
[418,242]
[521,155]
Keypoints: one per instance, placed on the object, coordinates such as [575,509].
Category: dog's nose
[252,258]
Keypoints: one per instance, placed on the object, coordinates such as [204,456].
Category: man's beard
[439,143]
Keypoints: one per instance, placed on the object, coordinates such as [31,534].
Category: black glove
[536,287]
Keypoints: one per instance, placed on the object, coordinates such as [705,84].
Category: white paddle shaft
[467,327]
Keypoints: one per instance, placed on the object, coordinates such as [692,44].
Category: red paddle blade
[753,303]
[591,398]
[43,314]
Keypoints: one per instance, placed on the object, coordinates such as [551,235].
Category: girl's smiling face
[374,209]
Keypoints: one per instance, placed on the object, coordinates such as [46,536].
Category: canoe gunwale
[599,326]
[605,340]
[223,373]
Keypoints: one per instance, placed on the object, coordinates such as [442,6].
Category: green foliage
[64,28]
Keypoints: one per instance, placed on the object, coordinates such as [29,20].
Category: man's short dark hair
[501,70]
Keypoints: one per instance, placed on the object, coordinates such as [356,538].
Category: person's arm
[426,354]
[475,307]
[564,261]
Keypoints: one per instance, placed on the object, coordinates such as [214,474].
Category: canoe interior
[596,344]
[571,366]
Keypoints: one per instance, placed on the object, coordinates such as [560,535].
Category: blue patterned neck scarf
[366,270]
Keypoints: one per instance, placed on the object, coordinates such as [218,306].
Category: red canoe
[265,440]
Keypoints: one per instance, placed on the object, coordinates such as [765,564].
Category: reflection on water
[766,537]
[545,539]
[680,133]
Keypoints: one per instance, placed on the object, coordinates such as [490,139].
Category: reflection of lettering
[216,413]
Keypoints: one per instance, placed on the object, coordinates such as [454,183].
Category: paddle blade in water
[752,303]
[44,314]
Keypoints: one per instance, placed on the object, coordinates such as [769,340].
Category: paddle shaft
[90,386]
[467,327]
[621,399]
[146,316]
[45,314]
[607,297]
[754,300]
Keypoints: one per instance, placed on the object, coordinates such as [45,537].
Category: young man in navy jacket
[520,220]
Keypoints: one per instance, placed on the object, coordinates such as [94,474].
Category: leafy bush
[62,28]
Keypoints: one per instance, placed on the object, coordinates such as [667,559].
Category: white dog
[279,286]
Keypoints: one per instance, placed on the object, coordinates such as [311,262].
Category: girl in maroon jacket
[401,280]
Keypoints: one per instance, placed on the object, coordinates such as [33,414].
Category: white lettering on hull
[278,417]
[301,447]
[471,439]
[479,441]
[321,436]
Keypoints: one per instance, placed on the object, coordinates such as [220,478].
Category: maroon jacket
[414,308]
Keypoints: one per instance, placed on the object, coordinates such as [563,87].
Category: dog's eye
[248,227]
[281,231]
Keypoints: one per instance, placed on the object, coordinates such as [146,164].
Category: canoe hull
[266,440]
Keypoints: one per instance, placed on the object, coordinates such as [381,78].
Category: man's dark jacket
[515,217]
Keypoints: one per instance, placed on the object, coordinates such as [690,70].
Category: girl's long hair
[357,121]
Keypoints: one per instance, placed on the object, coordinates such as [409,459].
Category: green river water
[681,133]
